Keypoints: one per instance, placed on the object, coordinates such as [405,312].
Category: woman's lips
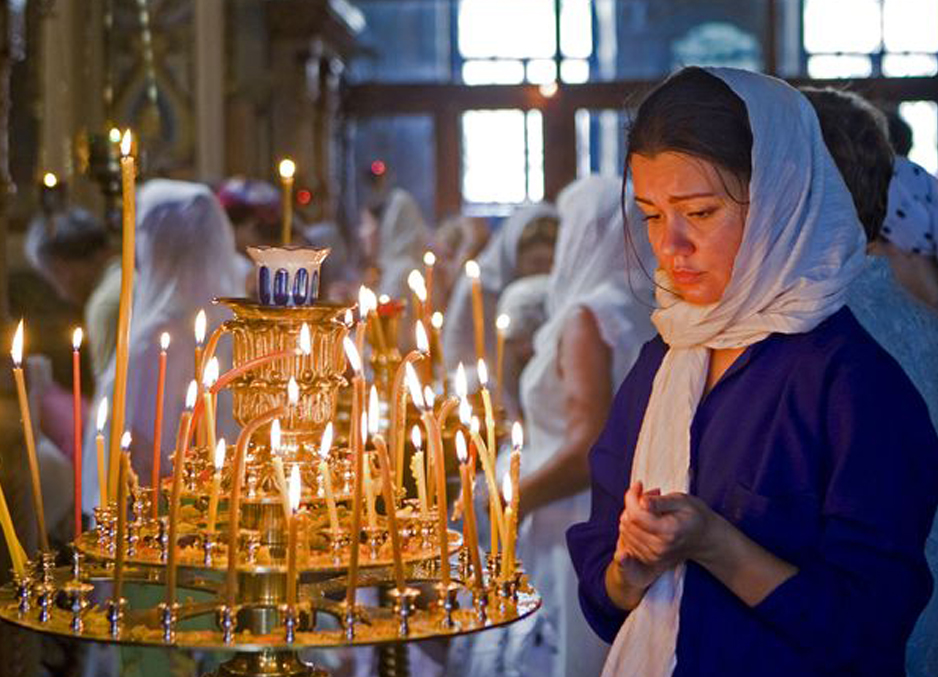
[685,277]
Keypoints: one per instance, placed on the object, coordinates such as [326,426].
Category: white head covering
[402,241]
[524,302]
[911,221]
[801,247]
[497,263]
[185,252]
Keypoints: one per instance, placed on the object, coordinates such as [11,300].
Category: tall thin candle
[469,514]
[399,399]
[287,170]
[76,423]
[511,520]
[179,461]
[325,445]
[158,425]
[429,260]
[490,438]
[17,557]
[17,354]
[199,362]
[219,463]
[99,445]
[418,469]
[473,272]
[351,591]
[390,507]
[295,492]
[502,322]
[122,349]
[209,377]
[123,467]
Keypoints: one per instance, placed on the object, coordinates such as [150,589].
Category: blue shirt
[817,447]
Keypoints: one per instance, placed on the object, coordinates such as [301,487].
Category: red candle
[76,418]
[158,425]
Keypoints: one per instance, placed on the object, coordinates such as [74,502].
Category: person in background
[185,253]
[524,245]
[457,239]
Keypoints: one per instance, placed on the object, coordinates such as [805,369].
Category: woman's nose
[675,240]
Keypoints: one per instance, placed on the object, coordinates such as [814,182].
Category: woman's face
[695,215]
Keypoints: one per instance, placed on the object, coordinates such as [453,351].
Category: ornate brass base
[268,664]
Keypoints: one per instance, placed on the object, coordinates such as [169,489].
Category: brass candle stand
[264,632]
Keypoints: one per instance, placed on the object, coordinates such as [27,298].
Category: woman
[185,251]
[778,469]
[394,238]
[596,322]
[502,261]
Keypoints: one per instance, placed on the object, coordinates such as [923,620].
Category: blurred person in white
[457,239]
[522,246]
[393,238]
[185,253]
[598,309]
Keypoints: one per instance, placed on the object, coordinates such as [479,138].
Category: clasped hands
[658,532]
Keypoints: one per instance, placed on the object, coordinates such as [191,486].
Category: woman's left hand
[668,529]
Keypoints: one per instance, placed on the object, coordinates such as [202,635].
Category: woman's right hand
[628,577]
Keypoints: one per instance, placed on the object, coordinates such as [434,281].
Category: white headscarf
[402,241]
[801,247]
[497,263]
[911,221]
[185,252]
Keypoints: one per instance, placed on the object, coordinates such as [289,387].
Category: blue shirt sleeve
[854,602]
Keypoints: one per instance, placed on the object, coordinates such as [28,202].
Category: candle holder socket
[375,537]
[48,569]
[115,616]
[405,604]
[168,614]
[76,595]
[104,527]
[480,601]
[226,616]
[447,602]
[23,585]
[45,598]
[339,543]
[209,540]
[349,619]
[290,622]
[77,562]
[493,564]
[428,528]
[162,537]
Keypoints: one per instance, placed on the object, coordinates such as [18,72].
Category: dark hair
[900,133]
[855,134]
[542,230]
[70,235]
[695,113]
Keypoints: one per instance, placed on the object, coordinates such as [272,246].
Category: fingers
[661,505]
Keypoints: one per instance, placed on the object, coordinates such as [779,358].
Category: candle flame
[517,435]
[472,270]
[474,425]
[465,412]
[351,353]
[507,489]
[126,143]
[191,393]
[296,488]
[483,373]
[364,428]
[417,285]
[416,437]
[200,323]
[413,385]
[293,392]
[349,318]
[102,414]
[423,343]
[462,453]
[502,322]
[428,396]
[462,388]
[220,450]
[275,436]
[77,336]
[373,411]
[366,302]
[429,259]
[50,180]
[164,340]
[114,135]
[384,299]
[325,444]
[436,320]
[287,168]
[210,373]
[126,439]
[16,352]
[306,341]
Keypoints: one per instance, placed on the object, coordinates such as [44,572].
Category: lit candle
[326,477]
[17,354]
[99,445]
[429,260]
[496,517]
[502,322]
[295,492]
[369,479]
[432,458]
[390,505]
[209,377]
[365,296]
[418,288]
[511,520]
[123,465]
[17,557]
[200,327]
[473,272]
[219,462]
[351,591]
[514,466]
[122,350]
[436,345]
[399,399]
[469,515]
[280,477]
[418,469]
[435,444]
[76,423]
[491,442]
[50,180]
[179,462]
[287,170]
[158,424]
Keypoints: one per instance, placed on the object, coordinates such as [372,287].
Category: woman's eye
[701,213]
[650,217]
